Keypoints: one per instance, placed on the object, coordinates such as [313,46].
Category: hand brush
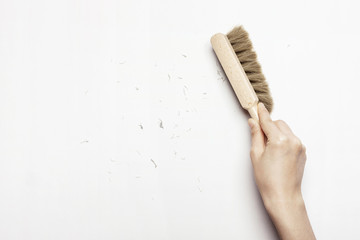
[239,61]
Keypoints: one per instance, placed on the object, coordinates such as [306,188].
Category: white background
[79,77]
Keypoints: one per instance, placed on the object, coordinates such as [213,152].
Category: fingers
[284,127]
[257,139]
[267,125]
[286,131]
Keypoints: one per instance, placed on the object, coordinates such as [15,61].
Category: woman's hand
[278,159]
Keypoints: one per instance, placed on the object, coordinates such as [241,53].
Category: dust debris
[185,90]
[118,81]
[204,93]
[174,136]
[138,152]
[137,89]
[86,92]
[194,110]
[161,124]
[199,182]
[141,126]
[221,77]
[184,55]
[155,165]
[179,77]
[84,141]
[169,77]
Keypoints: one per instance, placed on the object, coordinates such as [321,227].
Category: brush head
[242,46]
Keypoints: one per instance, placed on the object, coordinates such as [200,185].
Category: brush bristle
[242,46]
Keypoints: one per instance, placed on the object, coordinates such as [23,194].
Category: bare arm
[278,159]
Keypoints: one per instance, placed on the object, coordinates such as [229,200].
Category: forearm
[290,218]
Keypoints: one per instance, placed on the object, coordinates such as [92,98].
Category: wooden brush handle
[235,73]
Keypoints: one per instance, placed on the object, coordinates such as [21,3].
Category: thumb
[257,139]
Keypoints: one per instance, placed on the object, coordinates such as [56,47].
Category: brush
[239,61]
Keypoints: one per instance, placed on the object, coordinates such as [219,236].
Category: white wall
[77,78]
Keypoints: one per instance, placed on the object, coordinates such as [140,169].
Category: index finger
[267,125]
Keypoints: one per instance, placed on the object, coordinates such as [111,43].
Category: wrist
[289,217]
[283,202]
[285,207]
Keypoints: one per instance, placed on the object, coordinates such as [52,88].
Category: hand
[278,159]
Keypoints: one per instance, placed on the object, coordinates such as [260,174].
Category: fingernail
[261,105]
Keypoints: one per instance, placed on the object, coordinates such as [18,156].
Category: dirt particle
[141,126]
[155,165]
[184,55]
[173,136]
[161,124]
[221,77]
[84,141]
[169,77]
[185,90]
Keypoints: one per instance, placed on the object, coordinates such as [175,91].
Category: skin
[278,159]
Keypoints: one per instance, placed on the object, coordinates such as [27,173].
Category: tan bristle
[242,46]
